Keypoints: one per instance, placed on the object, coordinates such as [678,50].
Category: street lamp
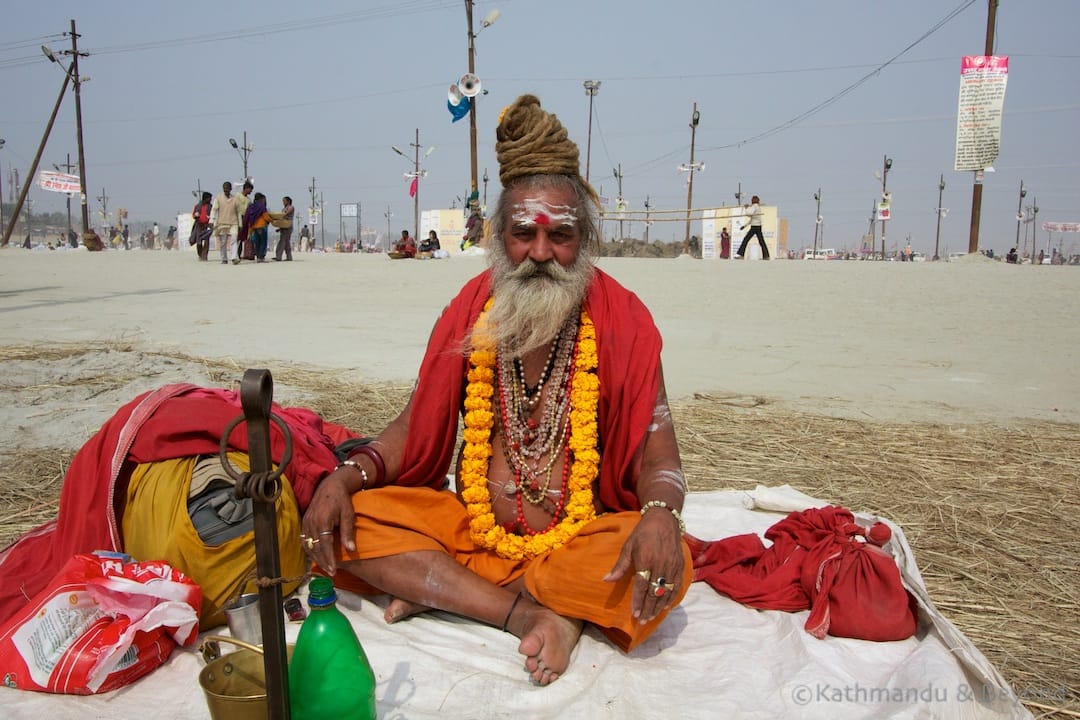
[388,215]
[104,200]
[315,214]
[817,220]
[243,151]
[2,143]
[695,118]
[68,167]
[1034,208]
[941,212]
[591,88]
[485,189]
[620,204]
[648,207]
[416,174]
[1020,211]
[886,166]
[488,21]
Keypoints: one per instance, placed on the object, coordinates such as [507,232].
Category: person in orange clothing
[569,486]
[256,219]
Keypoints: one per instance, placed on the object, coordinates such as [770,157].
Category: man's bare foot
[399,609]
[547,639]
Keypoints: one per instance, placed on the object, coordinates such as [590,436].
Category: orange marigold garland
[479,421]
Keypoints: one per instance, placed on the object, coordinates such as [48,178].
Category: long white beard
[533,300]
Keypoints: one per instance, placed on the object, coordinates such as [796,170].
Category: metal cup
[243,619]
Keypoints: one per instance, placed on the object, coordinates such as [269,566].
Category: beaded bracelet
[363,472]
[376,459]
[661,504]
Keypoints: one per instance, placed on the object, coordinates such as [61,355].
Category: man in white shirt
[225,220]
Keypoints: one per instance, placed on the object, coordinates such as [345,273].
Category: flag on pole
[412,187]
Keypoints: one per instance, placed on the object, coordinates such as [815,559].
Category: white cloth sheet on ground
[712,658]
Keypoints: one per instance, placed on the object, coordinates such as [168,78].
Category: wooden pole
[976,190]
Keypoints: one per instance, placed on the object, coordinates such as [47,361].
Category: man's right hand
[329,513]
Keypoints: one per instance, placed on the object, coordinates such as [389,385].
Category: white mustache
[529,268]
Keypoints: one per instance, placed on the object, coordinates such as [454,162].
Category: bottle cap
[321,592]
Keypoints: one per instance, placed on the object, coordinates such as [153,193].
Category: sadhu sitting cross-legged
[568,483]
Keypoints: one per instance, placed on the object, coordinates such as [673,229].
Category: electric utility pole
[648,207]
[104,200]
[619,201]
[68,167]
[79,128]
[37,158]
[695,118]
[976,190]
[817,220]
[313,217]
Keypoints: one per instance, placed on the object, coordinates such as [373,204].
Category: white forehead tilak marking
[533,211]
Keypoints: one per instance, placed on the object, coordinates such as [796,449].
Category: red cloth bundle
[820,560]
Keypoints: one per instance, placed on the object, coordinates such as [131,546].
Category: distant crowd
[240,223]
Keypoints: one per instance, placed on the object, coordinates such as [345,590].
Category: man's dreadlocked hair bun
[532,141]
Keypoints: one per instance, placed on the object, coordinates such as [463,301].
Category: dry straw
[991,511]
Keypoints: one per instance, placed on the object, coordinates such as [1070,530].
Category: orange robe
[395,520]
[417,515]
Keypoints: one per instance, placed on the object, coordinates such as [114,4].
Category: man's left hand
[653,552]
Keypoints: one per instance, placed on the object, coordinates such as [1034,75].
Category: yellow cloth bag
[156,526]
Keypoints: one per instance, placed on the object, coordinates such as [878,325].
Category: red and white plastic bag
[103,622]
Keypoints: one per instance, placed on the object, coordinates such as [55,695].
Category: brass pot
[234,684]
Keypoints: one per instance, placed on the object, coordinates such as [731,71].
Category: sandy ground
[963,342]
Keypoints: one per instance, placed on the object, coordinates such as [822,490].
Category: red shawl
[170,422]
[629,347]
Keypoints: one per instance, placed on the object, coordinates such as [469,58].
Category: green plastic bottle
[329,674]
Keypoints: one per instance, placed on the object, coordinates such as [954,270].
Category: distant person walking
[755,213]
[225,217]
[284,228]
[256,219]
[202,228]
[245,248]
[305,239]
[725,244]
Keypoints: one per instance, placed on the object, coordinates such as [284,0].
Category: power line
[398,9]
[865,78]
[30,42]
[412,7]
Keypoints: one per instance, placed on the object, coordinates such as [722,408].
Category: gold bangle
[661,504]
[363,472]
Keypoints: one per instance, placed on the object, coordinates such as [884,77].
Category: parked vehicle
[821,254]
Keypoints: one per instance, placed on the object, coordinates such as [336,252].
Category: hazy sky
[324,89]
